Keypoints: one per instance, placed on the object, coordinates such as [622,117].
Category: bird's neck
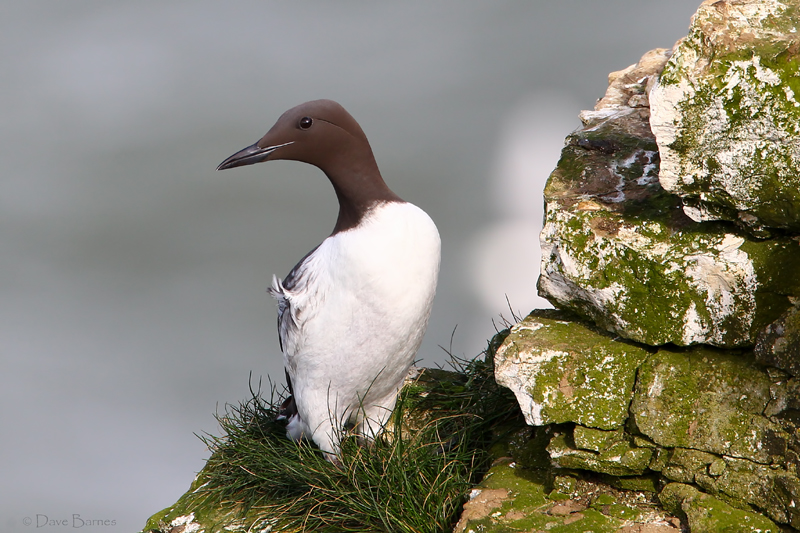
[359,187]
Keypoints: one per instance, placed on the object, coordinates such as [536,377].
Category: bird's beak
[250,155]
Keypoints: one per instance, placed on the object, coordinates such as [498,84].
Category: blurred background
[133,276]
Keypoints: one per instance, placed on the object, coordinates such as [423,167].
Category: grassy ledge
[414,478]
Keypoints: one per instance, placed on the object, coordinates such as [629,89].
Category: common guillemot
[353,311]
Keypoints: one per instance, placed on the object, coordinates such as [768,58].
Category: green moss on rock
[684,465]
[564,370]
[727,117]
[778,344]
[619,458]
[195,511]
[618,249]
[707,400]
[702,416]
[706,514]
[514,499]
[595,440]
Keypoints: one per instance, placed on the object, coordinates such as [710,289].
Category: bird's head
[319,132]
[323,134]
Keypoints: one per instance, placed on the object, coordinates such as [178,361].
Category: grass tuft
[413,478]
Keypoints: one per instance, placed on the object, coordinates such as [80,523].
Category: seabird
[353,311]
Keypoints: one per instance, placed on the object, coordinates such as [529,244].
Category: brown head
[323,134]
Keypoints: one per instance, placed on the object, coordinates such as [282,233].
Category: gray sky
[133,276]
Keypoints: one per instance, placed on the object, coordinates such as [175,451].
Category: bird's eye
[306,123]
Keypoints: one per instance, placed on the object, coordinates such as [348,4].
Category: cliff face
[672,247]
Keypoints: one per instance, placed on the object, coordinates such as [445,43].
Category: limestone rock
[704,417]
[726,115]
[706,514]
[629,88]
[685,466]
[193,512]
[785,402]
[764,486]
[563,370]
[739,482]
[618,250]
[707,400]
[778,344]
[688,237]
[514,499]
[616,458]
[596,440]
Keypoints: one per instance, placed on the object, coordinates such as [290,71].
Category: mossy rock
[621,253]
[564,370]
[737,482]
[195,512]
[616,457]
[515,499]
[685,465]
[726,114]
[708,400]
[778,344]
[706,514]
[618,249]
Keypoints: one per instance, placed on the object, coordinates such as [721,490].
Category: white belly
[362,314]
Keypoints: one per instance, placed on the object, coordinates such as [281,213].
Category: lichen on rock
[726,115]
[513,498]
[618,457]
[685,244]
[618,249]
[563,370]
[706,417]
[778,344]
[706,514]
[707,400]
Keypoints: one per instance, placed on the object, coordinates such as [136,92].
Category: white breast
[373,285]
[360,305]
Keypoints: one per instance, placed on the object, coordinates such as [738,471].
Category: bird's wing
[295,295]
[288,409]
